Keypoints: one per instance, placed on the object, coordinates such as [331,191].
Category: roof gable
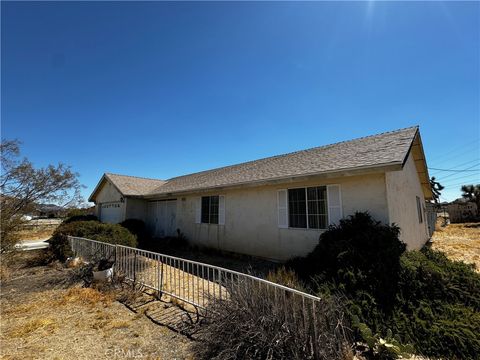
[127,185]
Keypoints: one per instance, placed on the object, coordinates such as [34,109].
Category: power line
[462,170]
[466,178]
[459,176]
[455,185]
[468,168]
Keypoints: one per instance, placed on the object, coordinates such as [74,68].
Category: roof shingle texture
[376,150]
[132,185]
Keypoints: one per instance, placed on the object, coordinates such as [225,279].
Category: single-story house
[462,210]
[277,207]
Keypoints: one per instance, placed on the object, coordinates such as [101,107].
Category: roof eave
[418,154]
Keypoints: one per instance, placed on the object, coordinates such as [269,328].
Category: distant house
[277,207]
[49,211]
[461,210]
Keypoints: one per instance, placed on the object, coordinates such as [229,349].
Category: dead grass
[86,297]
[73,323]
[181,283]
[459,242]
[5,272]
[25,329]
[37,233]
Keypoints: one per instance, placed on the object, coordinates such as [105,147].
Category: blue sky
[163,89]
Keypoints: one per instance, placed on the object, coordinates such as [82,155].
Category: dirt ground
[44,318]
[459,242]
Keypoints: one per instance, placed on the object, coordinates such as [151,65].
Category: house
[461,210]
[277,207]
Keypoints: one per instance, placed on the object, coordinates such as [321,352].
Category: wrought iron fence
[200,284]
[193,282]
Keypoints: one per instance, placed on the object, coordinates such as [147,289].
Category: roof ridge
[136,177]
[295,152]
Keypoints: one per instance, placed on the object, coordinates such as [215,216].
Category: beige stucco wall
[108,193]
[251,219]
[136,209]
[131,208]
[403,187]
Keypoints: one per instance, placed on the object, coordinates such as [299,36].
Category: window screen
[209,209]
[297,212]
[317,207]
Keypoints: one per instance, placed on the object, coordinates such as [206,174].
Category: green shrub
[138,228]
[109,233]
[438,305]
[418,297]
[75,218]
[359,255]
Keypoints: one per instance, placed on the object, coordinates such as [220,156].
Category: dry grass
[5,272]
[33,325]
[182,283]
[459,242]
[86,297]
[73,323]
[37,233]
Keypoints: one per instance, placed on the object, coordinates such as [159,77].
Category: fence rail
[177,277]
[197,283]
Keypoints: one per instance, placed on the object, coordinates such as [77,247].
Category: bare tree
[472,193]
[22,186]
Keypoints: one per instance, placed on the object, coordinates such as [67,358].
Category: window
[419,209]
[210,209]
[307,207]
[317,207]
[297,212]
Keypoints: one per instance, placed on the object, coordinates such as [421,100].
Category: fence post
[134,268]
[160,277]
[115,260]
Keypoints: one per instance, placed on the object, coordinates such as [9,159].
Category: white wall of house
[251,217]
[403,188]
[161,220]
[109,198]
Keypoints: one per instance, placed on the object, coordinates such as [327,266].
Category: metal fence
[202,284]
[190,281]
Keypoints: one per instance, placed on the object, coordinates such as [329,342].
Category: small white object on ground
[103,275]
[32,245]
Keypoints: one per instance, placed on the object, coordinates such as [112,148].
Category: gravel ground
[43,318]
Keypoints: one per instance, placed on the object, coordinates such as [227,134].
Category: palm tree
[472,193]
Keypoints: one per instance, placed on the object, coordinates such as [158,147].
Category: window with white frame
[210,209]
[307,207]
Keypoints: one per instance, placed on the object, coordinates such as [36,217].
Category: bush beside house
[108,233]
[419,297]
[139,229]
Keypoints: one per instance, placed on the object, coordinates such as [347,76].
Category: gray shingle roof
[383,149]
[376,150]
[132,185]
